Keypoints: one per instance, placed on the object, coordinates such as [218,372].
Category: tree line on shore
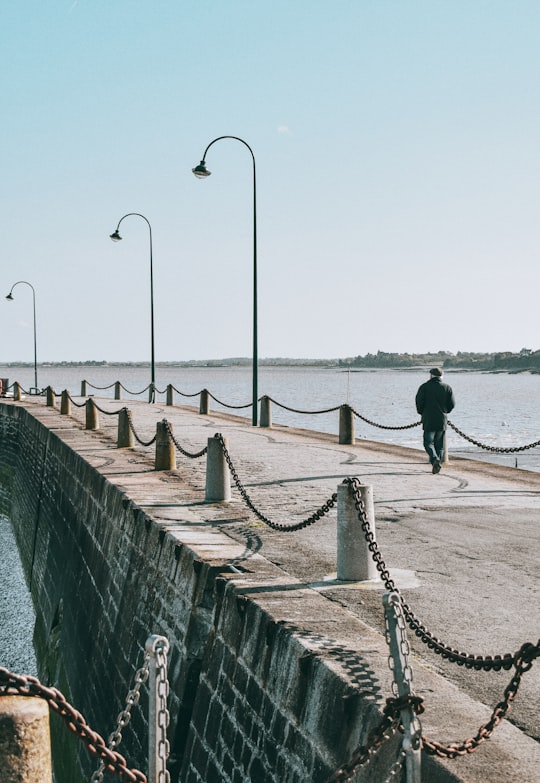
[503,361]
[526,360]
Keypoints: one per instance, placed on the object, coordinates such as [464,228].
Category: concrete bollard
[65,403]
[83,388]
[165,450]
[203,405]
[92,418]
[354,560]
[266,412]
[117,390]
[25,743]
[125,433]
[170,395]
[346,425]
[51,399]
[445,450]
[218,475]
[17,391]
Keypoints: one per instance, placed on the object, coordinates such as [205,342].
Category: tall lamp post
[202,172]
[10,297]
[115,236]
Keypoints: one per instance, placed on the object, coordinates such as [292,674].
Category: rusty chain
[319,514]
[77,404]
[183,394]
[497,449]
[200,453]
[26,685]
[523,662]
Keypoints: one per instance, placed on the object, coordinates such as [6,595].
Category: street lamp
[10,297]
[115,236]
[201,172]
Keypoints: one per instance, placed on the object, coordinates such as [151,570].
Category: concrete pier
[461,546]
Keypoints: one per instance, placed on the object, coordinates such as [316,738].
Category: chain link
[295,410]
[237,407]
[162,693]
[319,514]
[132,428]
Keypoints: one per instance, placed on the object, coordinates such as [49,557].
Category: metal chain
[26,685]
[131,392]
[179,447]
[162,692]
[108,413]
[319,514]
[295,410]
[237,407]
[478,662]
[524,661]
[183,394]
[132,428]
[124,717]
[497,449]
[100,388]
[384,426]
[77,404]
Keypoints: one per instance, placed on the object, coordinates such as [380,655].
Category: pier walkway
[462,547]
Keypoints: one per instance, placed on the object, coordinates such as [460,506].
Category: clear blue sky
[397,146]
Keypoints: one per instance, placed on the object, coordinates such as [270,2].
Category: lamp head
[201,171]
[116,236]
[10,296]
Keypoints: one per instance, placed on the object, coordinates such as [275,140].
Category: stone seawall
[269,682]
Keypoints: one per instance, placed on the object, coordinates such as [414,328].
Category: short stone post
[117,390]
[125,433]
[83,388]
[50,397]
[170,395]
[92,418]
[203,405]
[218,475]
[17,391]
[65,403]
[165,451]
[25,746]
[266,412]
[346,425]
[354,560]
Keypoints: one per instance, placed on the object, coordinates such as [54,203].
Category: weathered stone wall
[252,698]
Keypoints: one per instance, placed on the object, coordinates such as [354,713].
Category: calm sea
[498,409]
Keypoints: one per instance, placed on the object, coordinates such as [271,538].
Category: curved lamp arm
[10,297]
[201,172]
[115,236]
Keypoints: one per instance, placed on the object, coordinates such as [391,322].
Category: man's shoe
[436,467]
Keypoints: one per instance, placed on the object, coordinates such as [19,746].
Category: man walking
[434,399]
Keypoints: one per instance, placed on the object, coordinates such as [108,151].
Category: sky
[397,154]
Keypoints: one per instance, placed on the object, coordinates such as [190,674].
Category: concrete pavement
[462,545]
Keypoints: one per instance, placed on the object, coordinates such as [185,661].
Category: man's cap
[436,372]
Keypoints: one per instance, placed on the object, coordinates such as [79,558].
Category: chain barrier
[236,407]
[200,453]
[158,719]
[26,685]
[497,449]
[183,394]
[100,388]
[135,435]
[135,394]
[76,404]
[109,413]
[478,662]
[319,514]
[295,410]
[384,426]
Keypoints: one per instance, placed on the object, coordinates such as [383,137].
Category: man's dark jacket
[434,399]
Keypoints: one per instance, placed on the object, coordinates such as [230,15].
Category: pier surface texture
[277,671]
